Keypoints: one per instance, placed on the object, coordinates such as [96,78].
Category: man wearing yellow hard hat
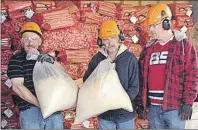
[169,72]
[20,71]
[127,68]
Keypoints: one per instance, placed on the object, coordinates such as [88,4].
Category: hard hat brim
[38,33]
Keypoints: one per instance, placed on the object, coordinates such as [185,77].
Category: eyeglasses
[106,41]
[28,39]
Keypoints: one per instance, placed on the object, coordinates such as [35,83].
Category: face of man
[157,31]
[30,41]
[111,44]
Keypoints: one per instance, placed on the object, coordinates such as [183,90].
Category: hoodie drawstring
[183,47]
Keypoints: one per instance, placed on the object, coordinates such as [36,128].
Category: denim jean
[160,119]
[32,118]
[105,124]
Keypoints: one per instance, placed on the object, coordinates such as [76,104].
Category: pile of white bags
[101,92]
[54,88]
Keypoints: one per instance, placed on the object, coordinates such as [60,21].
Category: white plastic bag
[54,88]
[101,92]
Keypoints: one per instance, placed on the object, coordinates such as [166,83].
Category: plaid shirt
[181,82]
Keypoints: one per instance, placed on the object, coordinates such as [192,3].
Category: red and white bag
[107,9]
[72,8]
[91,18]
[56,19]
[179,9]
[5,55]
[78,56]
[126,11]
[19,9]
[184,21]
[4,12]
[40,5]
[141,13]
[87,6]
[72,70]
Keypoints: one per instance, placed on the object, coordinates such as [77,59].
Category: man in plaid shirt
[169,73]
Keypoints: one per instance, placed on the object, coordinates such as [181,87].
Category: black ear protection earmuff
[166,24]
[121,37]
[99,41]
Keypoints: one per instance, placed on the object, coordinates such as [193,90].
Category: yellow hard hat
[108,29]
[156,14]
[31,27]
